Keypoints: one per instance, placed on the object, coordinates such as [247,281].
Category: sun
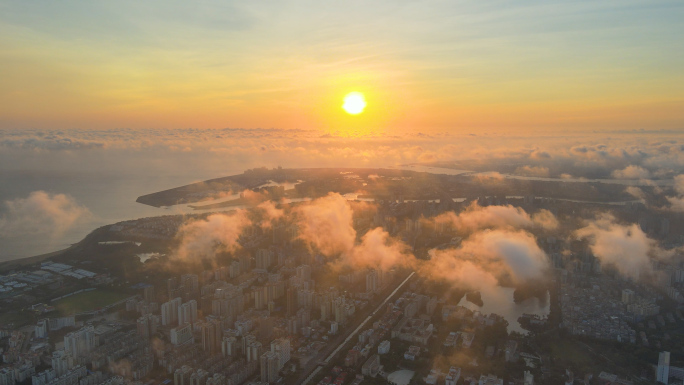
[354,103]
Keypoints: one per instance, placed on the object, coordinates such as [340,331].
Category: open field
[88,301]
[16,318]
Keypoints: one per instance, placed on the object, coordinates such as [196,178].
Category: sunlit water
[430,169]
[110,199]
[499,300]
[624,182]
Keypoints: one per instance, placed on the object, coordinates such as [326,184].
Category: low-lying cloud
[41,213]
[636,192]
[487,256]
[632,172]
[379,250]
[476,217]
[326,224]
[497,245]
[623,246]
[206,237]
[677,202]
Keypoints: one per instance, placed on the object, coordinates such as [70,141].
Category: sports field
[88,301]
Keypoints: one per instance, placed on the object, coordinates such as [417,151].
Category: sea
[110,198]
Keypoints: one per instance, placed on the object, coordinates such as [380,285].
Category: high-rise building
[199,377]
[246,340]
[291,299]
[187,312]
[372,281]
[269,367]
[253,351]
[292,325]
[222,273]
[339,310]
[384,347]
[234,269]
[304,317]
[43,377]
[211,335]
[216,379]
[61,322]
[281,347]
[182,335]
[172,287]
[271,291]
[326,309]
[663,373]
[7,376]
[147,325]
[229,346]
[245,263]
[264,259]
[182,375]
[148,294]
[260,299]
[80,342]
[305,298]
[41,328]
[169,311]
[62,362]
[627,296]
[528,378]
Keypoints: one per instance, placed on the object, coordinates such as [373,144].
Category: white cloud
[632,172]
[42,214]
[625,247]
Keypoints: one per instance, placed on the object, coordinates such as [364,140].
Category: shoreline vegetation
[375,183]
[27,261]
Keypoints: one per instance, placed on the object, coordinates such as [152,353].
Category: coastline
[27,261]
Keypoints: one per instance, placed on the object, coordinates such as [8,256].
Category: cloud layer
[677,201]
[326,224]
[476,218]
[632,172]
[633,154]
[41,213]
[486,257]
[206,237]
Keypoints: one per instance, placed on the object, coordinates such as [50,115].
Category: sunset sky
[438,65]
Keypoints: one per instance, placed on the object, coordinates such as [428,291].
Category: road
[316,366]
